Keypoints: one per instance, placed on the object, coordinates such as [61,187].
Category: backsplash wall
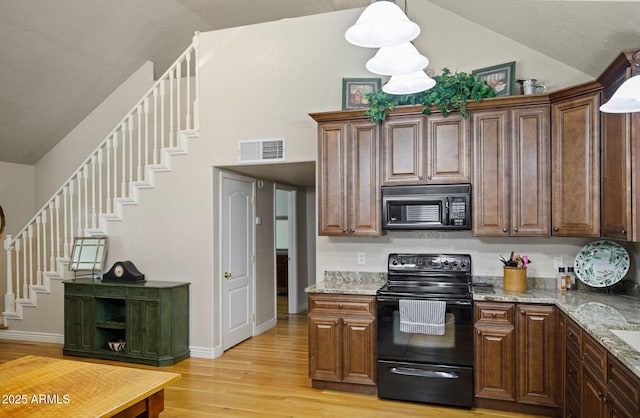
[341,253]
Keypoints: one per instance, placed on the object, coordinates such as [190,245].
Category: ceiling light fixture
[627,98]
[409,83]
[382,23]
[397,59]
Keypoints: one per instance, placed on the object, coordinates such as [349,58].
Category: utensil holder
[515,279]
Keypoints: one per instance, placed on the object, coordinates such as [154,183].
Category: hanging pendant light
[397,59]
[382,23]
[627,98]
[409,83]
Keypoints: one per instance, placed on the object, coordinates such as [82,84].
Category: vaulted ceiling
[60,59]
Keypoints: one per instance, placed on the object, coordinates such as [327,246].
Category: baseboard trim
[266,326]
[40,337]
[203,352]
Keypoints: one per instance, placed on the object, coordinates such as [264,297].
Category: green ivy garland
[451,93]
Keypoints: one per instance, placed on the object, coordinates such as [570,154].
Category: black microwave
[427,206]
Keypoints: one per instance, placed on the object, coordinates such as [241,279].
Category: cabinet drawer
[341,304]
[495,313]
[574,336]
[77,289]
[110,291]
[143,292]
[594,356]
[623,385]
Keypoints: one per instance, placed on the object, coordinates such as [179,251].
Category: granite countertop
[596,313]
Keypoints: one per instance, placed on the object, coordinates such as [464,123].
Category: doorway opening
[286,249]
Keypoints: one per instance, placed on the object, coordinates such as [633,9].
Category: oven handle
[449,302]
[405,371]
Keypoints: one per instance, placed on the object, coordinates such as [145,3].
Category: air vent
[261,150]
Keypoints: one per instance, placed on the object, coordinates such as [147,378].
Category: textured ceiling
[61,58]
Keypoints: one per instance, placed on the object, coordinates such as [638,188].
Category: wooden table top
[41,386]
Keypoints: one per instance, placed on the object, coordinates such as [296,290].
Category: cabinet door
[537,355]
[143,328]
[593,395]
[364,186]
[530,172]
[359,350]
[325,340]
[616,175]
[448,149]
[332,179]
[403,159]
[491,190]
[79,324]
[575,167]
[494,362]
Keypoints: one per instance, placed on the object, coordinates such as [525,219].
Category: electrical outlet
[558,262]
[361,259]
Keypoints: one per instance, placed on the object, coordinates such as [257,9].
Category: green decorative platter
[601,263]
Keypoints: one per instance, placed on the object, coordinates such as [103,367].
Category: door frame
[292,286]
[233,176]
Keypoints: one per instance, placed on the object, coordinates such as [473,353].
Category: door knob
[227,274]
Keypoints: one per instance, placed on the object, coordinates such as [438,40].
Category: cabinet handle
[515,229]
[478,332]
[353,230]
[340,305]
[419,177]
[624,232]
[428,177]
[522,312]
[344,231]
[555,229]
[570,371]
[570,334]
[505,230]
[493,314]
[336,322]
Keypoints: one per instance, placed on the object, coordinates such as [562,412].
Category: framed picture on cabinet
[355,89]
[500,77]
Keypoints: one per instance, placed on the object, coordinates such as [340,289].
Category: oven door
[454,348]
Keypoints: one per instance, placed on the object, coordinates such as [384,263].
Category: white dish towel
[422,316]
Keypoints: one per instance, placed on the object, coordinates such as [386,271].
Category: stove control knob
[402,262]
[394,262]
[446,262]
[463,264]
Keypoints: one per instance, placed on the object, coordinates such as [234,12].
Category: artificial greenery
[451,93]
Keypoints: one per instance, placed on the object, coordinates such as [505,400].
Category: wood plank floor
[265,376]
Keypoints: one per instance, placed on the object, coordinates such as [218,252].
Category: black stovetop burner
[443,276]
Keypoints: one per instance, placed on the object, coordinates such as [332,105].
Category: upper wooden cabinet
[419,149]
[619,144]
[348,180]
[511,173]
[576,162]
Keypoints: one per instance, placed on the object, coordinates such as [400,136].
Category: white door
[237,265]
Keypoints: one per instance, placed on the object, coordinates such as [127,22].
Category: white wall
[59,164]
[17,198]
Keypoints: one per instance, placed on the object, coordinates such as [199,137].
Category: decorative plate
[601,263]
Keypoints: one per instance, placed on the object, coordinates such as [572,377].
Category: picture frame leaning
[355,89]
[500,77]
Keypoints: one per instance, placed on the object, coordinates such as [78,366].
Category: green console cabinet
[152,317]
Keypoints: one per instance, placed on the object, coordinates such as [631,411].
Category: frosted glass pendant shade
[397,59]
[409,83]
[382,23]
[626,99]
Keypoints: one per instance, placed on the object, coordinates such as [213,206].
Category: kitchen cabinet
[516,363]
[595,384]
[419,149]
[575,158]
[619,160]
[342,342]
[511,173]
[152,317]
[348,178]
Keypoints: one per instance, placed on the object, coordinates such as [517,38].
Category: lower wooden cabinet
[594,383]
[342,342]
[516,363]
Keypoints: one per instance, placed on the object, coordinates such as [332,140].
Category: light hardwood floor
[265,376]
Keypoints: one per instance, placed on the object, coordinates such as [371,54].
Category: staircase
[157,127]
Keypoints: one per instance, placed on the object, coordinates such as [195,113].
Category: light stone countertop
[596,312]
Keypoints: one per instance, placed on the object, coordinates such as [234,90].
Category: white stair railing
[110,177]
